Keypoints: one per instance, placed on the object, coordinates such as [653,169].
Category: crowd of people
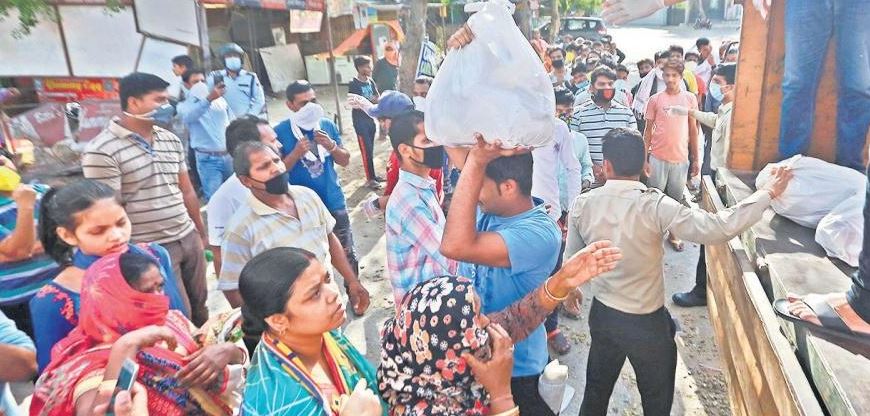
[485,246]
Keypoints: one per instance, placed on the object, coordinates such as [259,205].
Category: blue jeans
[213,171]
[859,294]
[809,24]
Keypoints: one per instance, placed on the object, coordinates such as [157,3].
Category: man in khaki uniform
[628,318]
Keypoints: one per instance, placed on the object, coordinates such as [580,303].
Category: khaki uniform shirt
[636,219]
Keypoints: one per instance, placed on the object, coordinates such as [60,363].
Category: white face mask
[199,90]
[420,103]
[308,117]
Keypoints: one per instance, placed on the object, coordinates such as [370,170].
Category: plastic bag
[817,187]
[553,388]
[496,85]
[841,232]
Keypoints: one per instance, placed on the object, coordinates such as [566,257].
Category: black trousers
[527,397]
[365,136]
[20,314]
[700,288]
[648,343]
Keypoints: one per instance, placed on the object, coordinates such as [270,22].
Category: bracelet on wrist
[550,294]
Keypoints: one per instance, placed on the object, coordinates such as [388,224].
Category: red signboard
[44,125]
[76,89]
[94,117]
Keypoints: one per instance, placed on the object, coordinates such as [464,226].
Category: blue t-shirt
[314,174]
[533,243]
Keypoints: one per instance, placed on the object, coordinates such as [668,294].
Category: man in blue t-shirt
[509,250]
[311,146]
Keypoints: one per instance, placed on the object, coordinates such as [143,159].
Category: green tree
[30,12]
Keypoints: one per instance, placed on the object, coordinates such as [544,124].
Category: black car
[589,28]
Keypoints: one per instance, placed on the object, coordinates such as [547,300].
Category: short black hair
[360,61]
[579,67]
[571,47]
[137,85]
[674,64]
[622,68]
[183,60]
[602,71]
[517,168]
[554,49]
[623,148]
[242,156]
[646,61]
[691,53]
[701,42]
[296,88]
[404,128]
[676,48]
[597,43]
[423,80]
[728,71]
[190,72]
[662,55]
[564,96]
[243,129]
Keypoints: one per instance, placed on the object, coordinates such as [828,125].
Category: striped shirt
[257,227]
[20,280]
[594,122]
[146,176]
[414,226]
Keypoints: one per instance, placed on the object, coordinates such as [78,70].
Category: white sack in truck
[816,188]
[841,232]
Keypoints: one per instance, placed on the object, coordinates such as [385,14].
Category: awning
[356,39]
[312,5]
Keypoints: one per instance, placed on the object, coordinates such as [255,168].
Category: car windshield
[581,24]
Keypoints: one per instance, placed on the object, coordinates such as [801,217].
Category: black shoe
[689,299]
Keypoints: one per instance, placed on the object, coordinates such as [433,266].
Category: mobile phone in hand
[129,372]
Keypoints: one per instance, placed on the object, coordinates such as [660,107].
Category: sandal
[558,342]
[832,328]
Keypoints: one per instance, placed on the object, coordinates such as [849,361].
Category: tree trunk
[523,17]
[556,22]
[414,34]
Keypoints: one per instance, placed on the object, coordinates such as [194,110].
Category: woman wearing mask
[125,316]
[79,224]
[466,372]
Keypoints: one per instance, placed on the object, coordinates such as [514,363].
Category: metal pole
[332,65]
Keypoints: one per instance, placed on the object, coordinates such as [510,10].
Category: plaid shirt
[414,226]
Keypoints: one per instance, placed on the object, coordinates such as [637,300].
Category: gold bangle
[550,295]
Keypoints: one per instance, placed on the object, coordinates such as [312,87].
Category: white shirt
[548,161]
[705,71]
[223,204]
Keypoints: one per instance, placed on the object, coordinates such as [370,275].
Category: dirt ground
[700,381]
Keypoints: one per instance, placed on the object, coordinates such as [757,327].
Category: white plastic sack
[496,85]
[817,187]
[841,232]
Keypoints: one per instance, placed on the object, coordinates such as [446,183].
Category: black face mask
[433,157]
[279,185]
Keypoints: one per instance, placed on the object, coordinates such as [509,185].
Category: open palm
[596,258]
